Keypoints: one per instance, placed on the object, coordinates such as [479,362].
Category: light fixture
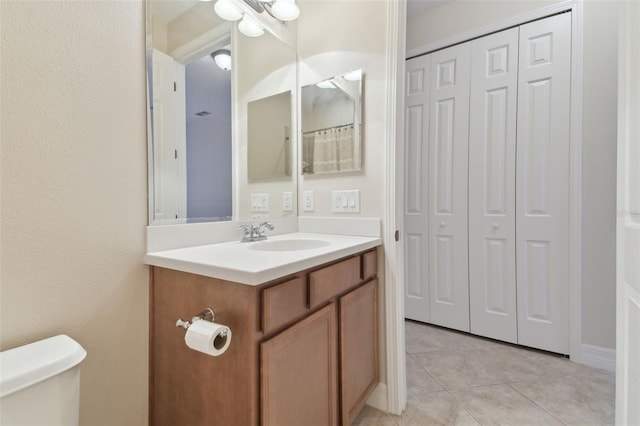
[327,84]
[353,75]
[227,10]
[285,10]
[249,27]
[222,59]
[282,10]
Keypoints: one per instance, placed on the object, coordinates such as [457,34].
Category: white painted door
[542,184]
[492,155]
[448,175]
[416,208]
[169,134]
[628,219]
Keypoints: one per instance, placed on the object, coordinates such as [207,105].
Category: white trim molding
[598,357]
[396,385]
[378,398]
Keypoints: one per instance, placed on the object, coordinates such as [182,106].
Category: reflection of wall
[268,68]
[192,23]
[159,36]
[209,168]
[196,21]
[269,138]
[349,43]
[326,112]
[209,186]
[74,190]
[599,137]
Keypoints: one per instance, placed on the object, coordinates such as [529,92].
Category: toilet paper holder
[207,315]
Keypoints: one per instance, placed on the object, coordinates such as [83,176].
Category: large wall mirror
[213,97]
[331,125]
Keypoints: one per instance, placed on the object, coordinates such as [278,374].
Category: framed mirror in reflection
[332,125]
[203,77]
[269,138]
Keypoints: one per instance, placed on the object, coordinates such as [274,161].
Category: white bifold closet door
[492,198]
[542,184]
[416,208]
[448,184]
[497,185]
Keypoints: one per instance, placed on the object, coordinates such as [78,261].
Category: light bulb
[249,27]
[227,10]
[285,10]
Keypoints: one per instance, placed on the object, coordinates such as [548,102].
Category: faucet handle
[267,225]
[247,228]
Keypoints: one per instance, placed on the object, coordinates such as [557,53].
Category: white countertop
[236,261]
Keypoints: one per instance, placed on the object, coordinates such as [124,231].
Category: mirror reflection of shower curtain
[325,152]
[307,152]
[329,150]
[345,148]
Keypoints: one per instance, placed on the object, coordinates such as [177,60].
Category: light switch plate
[307,201]
[260,202]
[287,201]
[345,201]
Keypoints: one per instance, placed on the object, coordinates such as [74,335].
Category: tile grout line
[536,404]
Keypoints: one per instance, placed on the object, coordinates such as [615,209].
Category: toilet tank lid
[32,363]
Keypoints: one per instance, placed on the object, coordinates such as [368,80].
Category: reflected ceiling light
[222,59]
[227,10]
[353,75]
[285,10]
[326,85]
[282,10]
[249,27]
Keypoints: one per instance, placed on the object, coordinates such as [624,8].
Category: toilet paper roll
[208,337]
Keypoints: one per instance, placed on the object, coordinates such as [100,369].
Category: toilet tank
[40,383]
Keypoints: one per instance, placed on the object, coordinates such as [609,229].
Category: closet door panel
[448,184]
[416,209]
[492,155]
[542,184]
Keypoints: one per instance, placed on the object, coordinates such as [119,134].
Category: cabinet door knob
[442,224]
[496,225]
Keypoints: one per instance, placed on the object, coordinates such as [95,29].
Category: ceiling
[416,7]
[167,11]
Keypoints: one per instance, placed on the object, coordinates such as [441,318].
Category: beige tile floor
[457,379]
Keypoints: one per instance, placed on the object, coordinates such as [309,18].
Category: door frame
[394,172]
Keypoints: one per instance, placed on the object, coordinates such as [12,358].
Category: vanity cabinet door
[358,348]
[298,371]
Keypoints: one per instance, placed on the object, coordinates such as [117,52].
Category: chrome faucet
[255,232]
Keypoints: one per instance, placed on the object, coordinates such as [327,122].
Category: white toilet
[40,383]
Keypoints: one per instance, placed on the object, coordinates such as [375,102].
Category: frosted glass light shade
[222,59]
[226,10]
[286,10]
[326,85]
[353,75]
[249,27]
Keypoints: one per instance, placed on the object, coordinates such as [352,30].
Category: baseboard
[598,357]
[378,398]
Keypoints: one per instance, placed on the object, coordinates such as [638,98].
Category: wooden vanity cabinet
[299,373]
[358,348]
[304,349]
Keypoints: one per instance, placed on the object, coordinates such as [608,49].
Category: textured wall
[73,176]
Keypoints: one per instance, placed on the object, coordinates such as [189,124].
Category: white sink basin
[288,245]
